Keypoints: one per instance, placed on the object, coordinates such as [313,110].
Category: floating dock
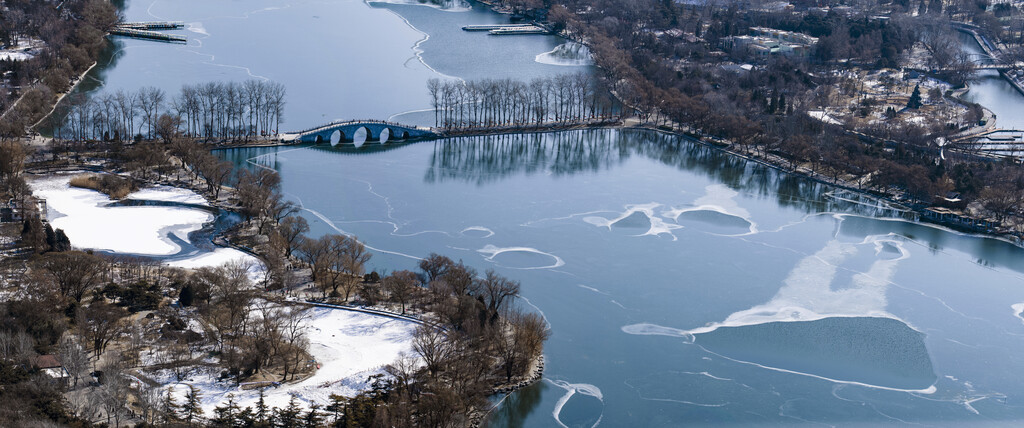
[495,27]
[148,35]
[533,29]
[508,29]
[158,25]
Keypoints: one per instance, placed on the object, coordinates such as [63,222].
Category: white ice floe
[567,54]
[487,233]
[89,223]
[718,198]
[197,27]
[1018,311]
[570,390]
[808,293]
[348,347]
[492,251]
[630,218]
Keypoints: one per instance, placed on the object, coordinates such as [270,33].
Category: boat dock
[494,27]
[148,35]
[144,30]
[159,25]
[508,29]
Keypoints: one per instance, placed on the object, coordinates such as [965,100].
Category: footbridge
[376,130]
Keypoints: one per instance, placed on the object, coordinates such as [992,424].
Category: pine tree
[261,407]
[51,237]
[915,98]
[313,418]
[227,415]
[62,243]
[337,407]
[186,296]
[288,417]
[169,407]
[192,408]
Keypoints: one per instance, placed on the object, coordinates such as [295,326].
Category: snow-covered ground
[89,223]
[25,49]
[348,346]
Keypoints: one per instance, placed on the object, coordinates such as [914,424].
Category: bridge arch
[386,134]
[405,135]
[369,132]
[337,137]
[319,139]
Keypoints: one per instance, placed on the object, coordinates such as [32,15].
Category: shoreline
[60,97]
[1015,238]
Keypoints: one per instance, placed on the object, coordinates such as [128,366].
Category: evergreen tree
[227,415]
[192,409]
[186,296]
[61,241]
[313,418]
[782,102]
[33,234]
[169,407]
[915,98]
[261,407]
[288,417]
[337,407]
[51,237]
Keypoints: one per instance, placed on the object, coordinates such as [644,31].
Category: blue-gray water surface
[683,286]
[687,286]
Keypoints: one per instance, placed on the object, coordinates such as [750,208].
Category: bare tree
[100,322]
[401,286]
[432,346]
[73,357]
[72,272]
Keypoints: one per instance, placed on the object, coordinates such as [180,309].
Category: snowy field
[348,346]
[25,49]
[138,230]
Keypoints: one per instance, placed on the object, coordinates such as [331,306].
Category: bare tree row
[508,102]
[213,110]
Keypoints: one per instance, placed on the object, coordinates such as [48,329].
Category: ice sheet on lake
[817,328]
[90,223]
[168,194]
[143,230]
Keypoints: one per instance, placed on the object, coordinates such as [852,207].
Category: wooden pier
[160,25]
[144,30]
[508,29]
[494,27]
[148,35]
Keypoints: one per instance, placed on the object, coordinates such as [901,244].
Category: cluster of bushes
[108,184]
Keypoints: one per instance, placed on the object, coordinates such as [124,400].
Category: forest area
[110,319]
[665,58]
[72,36]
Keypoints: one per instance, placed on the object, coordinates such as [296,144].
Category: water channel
[683,285]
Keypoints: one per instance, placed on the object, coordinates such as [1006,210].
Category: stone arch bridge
[376,130]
